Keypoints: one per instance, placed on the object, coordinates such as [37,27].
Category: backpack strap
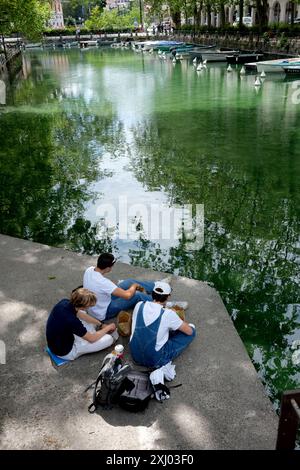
[175,386]
[89,386]
[94,405]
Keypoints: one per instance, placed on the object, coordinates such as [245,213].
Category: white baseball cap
[164,288]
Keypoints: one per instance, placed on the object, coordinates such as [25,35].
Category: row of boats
[205,53]
[251,60]
[211,53]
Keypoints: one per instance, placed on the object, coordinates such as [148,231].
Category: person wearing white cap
[112,298]
[158,334]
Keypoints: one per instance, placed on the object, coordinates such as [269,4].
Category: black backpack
[136,397]
[118,384]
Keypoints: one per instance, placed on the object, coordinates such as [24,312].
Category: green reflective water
[86,127]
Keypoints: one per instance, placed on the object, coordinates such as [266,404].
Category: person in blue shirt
[71,332]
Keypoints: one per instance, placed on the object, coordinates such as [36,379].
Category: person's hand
[110,328]
[140,288]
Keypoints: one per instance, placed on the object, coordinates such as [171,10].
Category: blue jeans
[175,345]
[117,304]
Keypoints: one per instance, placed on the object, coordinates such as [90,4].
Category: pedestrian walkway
[221,404]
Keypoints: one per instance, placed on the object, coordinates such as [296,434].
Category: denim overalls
[143,342]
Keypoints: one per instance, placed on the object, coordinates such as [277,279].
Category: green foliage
[272,30]
[106,19]
[70,21]
[27,17]
[81,8]
[283,41]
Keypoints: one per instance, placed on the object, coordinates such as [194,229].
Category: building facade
[279,11]
[119,4]
[57,18]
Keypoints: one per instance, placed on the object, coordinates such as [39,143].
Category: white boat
[216,56]
[37,45]
[147,45]
[274,66]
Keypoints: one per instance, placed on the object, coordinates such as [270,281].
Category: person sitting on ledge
[158,335]
[112,298]
[71,332]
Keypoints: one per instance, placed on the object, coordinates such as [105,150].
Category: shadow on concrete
[221,404]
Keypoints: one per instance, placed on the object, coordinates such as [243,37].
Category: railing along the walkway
[289,420]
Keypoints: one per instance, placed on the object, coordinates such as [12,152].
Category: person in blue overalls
[158,334]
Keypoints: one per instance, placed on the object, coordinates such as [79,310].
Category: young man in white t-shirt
[158,334]
[112,298]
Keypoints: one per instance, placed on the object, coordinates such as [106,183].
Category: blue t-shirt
[62,324]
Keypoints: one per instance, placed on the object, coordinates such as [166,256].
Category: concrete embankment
[221,404]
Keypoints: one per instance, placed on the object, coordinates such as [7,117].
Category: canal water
[85,131]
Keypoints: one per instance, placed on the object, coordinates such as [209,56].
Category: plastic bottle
[110,360]
[118,351]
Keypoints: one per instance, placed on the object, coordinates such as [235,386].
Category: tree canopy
[102,19]
[28,17]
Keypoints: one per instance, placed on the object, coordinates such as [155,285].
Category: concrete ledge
[221,405]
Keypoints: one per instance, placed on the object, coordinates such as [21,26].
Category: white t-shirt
[102,287]
[170,321]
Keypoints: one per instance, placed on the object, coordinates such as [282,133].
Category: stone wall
[9,67]
[275,45]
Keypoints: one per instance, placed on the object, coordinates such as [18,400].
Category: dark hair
[105,260]
[159,297]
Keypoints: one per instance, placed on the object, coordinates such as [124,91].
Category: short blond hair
[83,298]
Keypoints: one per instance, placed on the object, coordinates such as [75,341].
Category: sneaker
[192,325]
[161,392]
[182,305]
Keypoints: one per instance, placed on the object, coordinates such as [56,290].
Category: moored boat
[181,48]
[243,58]
[292,70]
[88,44]
[155,45]
[217,56]
[273,66]
[167,47]
[199,50]
[37,45]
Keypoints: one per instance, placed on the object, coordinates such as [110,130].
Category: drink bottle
[118,351]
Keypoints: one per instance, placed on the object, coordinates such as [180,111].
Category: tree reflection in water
[49,158]
[237,155]
[251,250]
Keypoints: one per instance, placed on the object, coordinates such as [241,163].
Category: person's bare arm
[86,317]
[125,294]
[186,329]
[93,337]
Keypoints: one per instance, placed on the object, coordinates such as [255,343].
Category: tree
[175,8]
[106,19]
[241,13]
[81,8]
[262,12]
[27,17]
